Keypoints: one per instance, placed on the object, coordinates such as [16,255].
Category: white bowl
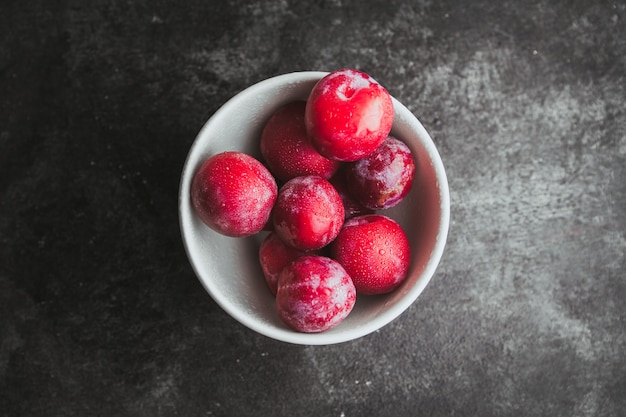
[229,268]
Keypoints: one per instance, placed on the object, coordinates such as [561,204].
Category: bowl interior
[229,268]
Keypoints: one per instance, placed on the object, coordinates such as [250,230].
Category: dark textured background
[101,314]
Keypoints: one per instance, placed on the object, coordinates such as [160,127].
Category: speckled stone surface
[101,313]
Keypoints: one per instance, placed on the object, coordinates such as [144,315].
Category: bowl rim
[329,337]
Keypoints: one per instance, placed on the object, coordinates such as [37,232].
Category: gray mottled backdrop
[101,314]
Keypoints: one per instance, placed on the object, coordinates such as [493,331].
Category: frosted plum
[308,213]
[383,178]
[314,294]
[233,193]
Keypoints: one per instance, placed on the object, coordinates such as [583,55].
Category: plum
[315,293]
[348,115]
[382,179]
[308,213]
[286,148]
[274,255]
[374,250]
[233,193]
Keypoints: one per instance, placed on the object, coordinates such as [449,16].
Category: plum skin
[351,206]
[308,213]
[274,255]
[315,293]
[233,193]
[375,251]
[382,179]
[286,148]
[348,115]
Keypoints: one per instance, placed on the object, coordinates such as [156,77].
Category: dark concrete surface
[101,314]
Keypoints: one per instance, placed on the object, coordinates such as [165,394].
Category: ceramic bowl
[229,269]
